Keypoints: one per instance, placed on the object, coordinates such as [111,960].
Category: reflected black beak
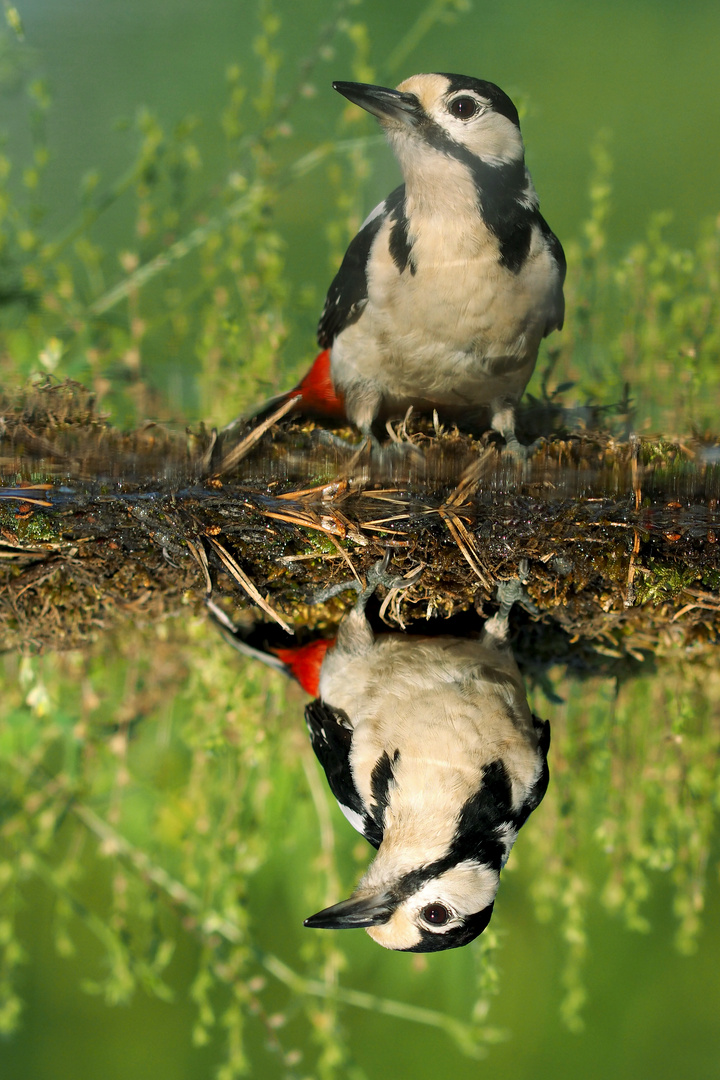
[351,914]
[381,102]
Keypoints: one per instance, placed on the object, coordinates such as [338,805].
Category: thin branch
[217,224]
[243,448]
[463,1033]
[113,843]
[244,581]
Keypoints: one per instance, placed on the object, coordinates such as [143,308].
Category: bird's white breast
[449,706]
[461,330]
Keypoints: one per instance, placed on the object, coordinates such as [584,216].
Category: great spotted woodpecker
[446,292]
[430,748]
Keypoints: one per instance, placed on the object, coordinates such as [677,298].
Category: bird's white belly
[456,334]
[448,705]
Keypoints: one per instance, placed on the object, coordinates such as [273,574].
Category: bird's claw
[507,594]
[510,592]
[377,575]
[519,452]
[385,458]
[329,438]
[514,592]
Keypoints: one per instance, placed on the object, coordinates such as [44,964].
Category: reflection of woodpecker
[445,293]
[432,753]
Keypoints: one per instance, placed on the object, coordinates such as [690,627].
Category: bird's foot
[401,453]
[377,575]
[508,594]
[514,592]
[503,421]
[517,451]
[329,438]
[384,457]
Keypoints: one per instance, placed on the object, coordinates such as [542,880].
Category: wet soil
[100,528]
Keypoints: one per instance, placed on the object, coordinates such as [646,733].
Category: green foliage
[200,291]
[633,801]
[641,323]
[150,815]
[660,584]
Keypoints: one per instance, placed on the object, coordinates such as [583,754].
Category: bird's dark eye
[437,914]
[464,108]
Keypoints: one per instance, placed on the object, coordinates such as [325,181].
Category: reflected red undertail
[305,662]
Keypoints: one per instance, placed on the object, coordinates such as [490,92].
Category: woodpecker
[432,753]
[446,292]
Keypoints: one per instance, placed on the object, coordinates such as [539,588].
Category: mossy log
[100,527]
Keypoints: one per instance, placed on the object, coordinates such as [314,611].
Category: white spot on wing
[377,212]
[509,837]
[355,819]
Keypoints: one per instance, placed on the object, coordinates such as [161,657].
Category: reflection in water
[432,753]
[634,773]
[622,539]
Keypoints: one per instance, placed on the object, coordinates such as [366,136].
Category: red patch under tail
[317,393]
[305,662]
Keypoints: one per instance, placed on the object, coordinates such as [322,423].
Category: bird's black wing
[331,737]
[535,795]
[556,250]
[347,295]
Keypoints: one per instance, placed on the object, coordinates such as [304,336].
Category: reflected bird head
[420,911]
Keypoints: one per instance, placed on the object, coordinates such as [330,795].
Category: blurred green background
[603,954]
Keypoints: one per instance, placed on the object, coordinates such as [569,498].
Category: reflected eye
[464,108]
[437,914]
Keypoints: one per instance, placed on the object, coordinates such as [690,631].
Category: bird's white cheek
[398,933]
[495,139]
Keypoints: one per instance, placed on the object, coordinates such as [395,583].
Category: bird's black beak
[351,914]
[381,102]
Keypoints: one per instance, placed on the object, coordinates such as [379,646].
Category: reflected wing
[535,794]
[331,737]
